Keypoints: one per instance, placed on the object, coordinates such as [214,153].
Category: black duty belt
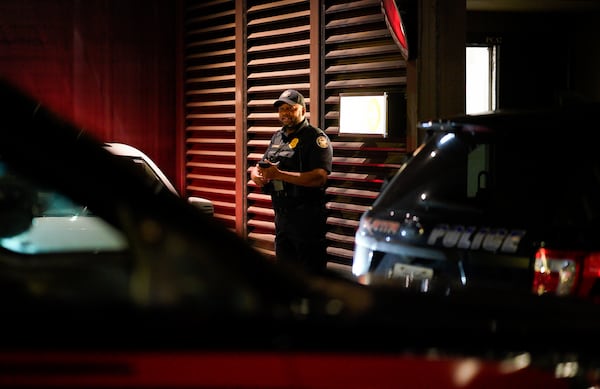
[281,201]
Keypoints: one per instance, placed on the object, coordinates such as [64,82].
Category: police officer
[294,171]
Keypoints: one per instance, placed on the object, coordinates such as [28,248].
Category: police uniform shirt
[306,149]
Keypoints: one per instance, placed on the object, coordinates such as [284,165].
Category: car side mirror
[204,205]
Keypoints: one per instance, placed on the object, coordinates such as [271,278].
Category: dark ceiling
[532,5]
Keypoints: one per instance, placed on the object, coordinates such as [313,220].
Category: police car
[496,200]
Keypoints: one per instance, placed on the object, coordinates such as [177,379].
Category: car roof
[535,121]
[125,150]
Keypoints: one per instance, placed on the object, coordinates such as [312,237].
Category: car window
[39,220]
[539,178]
[435,177]
[51,203]
[154,180]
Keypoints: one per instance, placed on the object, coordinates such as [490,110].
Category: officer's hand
[256,176]
[269,173]
[268,170]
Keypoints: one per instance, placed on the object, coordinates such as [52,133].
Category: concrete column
[436,77]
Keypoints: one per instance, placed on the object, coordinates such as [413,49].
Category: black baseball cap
[291,97]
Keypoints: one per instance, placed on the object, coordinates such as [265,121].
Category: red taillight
[590,274]
[556,271]
[566,273]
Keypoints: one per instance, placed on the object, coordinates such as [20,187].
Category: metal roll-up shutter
[360,56]
[209,87]
[238,61]
[278,58]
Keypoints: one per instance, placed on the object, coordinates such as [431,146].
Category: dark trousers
[300,236]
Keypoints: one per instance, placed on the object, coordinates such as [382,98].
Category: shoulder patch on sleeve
[322,141]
